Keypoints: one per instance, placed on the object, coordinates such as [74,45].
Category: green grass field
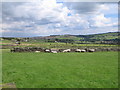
[61,70]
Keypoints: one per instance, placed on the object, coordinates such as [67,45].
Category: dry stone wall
[39,49]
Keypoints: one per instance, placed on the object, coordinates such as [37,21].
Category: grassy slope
[62,70]
[105,36]
[84,39]
[96,38]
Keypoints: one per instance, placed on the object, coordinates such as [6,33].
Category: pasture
[8,44]
[61,70]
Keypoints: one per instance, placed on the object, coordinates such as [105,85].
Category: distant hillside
[100,37]
[105,38]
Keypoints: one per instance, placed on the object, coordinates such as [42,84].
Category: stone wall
[39,49]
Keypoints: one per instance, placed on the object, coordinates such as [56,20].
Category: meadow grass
[61,70]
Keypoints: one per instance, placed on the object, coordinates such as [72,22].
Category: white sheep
[47,50]
[91,50]
[83,50]
[78,50]
[54,51]
[37,51]
[67,50]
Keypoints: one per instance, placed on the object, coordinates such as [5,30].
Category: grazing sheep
[54,51]
[67,50]
[91,50]
[78,50]
[37,51]
[83,50]
[47,50]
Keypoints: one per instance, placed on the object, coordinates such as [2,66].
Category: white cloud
[104,7]
[100,21]
[48,17]
[109,8]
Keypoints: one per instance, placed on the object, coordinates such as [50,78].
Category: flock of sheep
[69,50]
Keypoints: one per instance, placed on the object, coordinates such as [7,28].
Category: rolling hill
[111,37]
[104,38]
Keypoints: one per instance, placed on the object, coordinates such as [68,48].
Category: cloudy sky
[48,17]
